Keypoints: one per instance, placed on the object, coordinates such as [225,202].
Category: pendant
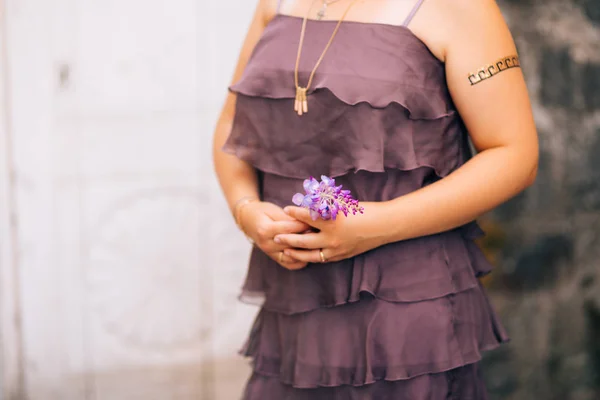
[301,103]
[321,12]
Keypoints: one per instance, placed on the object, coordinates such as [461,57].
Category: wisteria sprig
[325,200]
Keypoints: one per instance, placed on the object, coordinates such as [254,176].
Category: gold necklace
[301,103]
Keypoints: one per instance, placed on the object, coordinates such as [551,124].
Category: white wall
[128,261]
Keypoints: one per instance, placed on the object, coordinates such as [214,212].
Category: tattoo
[490,70]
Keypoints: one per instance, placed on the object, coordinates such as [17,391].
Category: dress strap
[412,14]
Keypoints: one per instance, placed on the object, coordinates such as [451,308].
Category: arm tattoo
[490,70]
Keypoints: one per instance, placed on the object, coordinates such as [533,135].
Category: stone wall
[546,242]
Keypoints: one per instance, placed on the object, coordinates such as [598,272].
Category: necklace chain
[301,102]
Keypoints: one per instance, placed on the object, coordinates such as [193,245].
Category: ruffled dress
[405,321]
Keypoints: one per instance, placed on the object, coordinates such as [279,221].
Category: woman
[387,304]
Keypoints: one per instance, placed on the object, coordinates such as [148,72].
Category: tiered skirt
[407,320]
[369,348]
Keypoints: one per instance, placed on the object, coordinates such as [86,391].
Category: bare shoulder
[447,26]
[477,24]
[269,9]
[482,73]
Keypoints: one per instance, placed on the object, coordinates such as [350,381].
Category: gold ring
[281,257]
[323,259]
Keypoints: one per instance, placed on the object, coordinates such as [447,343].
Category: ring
[281,257]
[323,259]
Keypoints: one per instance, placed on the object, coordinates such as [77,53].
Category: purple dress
[405,321]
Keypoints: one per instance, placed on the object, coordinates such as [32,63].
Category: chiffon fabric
[405,321]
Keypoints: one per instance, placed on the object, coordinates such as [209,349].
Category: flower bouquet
[326,200]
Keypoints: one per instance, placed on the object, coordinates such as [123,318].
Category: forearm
[237,178]
[484,182]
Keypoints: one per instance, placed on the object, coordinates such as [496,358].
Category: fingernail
[277,239]
[286,210]
[286,252]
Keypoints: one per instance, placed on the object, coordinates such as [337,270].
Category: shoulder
[476,26]
[450,25]
[463,9]
[266,10]
[478,41]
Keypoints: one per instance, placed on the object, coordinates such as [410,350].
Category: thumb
[277,214]
[304,215]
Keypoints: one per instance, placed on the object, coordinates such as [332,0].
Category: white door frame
[12,379]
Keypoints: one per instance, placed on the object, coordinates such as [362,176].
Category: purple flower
[326,200]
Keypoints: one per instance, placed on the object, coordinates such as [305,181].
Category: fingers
[277,214]
[293,226]
[287,261]
[282,258]
[302,214]
[295,265]
[307,256]
[311,240]
[267,230]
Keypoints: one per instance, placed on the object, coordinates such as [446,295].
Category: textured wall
[546,242]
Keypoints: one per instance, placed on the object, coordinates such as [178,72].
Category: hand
[340,239]
[262,221]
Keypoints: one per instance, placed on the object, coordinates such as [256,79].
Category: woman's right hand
[261,221]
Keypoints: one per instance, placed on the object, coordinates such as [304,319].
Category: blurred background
[120,263]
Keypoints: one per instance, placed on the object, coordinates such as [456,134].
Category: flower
[326,200]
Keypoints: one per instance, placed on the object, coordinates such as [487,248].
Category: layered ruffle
[370,108]
[420,269]
[335,138]
[463,383]
[419,103]
[481,266]
[394,66]
[374,340]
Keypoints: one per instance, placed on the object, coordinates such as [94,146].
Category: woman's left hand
[340,239]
